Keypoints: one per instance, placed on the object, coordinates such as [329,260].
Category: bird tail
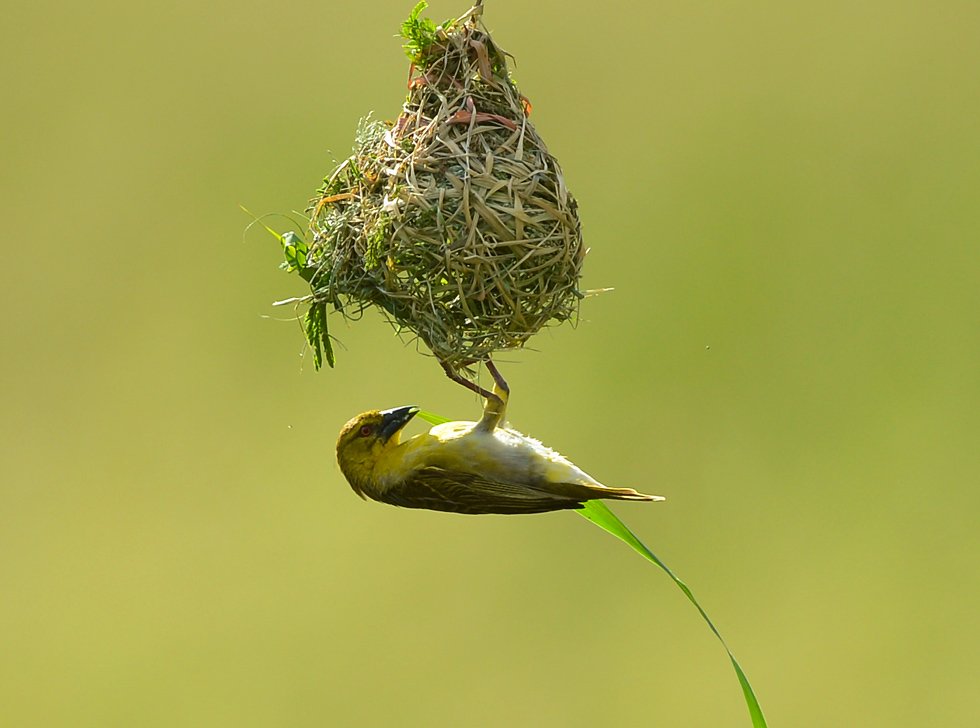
[583,492]
[625,494]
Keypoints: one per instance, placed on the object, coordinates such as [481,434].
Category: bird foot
[500,387]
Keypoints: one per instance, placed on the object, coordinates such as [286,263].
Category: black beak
[394,420]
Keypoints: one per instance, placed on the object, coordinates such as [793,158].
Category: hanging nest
[454,220]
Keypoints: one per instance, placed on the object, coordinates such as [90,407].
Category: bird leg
[495,406]
[500,387]
[472,386]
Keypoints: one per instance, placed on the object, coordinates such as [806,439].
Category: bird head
[365,438]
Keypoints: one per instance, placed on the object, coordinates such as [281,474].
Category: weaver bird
[464,467]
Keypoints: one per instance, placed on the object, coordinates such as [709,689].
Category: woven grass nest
[455,219]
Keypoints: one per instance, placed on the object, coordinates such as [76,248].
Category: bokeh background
[786,199]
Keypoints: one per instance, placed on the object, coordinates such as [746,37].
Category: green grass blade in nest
[318,336]
[422,35]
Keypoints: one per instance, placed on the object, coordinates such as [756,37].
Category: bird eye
[365,430]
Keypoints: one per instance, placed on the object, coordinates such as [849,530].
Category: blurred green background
[786,198]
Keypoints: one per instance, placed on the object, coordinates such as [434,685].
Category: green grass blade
[431,418]
[597,512]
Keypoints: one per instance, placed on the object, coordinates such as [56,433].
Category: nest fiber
[455,219]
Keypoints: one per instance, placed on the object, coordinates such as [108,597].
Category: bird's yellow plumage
[464,467]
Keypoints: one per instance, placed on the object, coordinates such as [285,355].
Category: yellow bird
[464,467]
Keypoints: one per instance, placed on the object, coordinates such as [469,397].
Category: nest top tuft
[454,220]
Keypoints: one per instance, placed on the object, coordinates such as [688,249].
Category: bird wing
[439,489]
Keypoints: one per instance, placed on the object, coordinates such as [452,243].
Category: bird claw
[500,387]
